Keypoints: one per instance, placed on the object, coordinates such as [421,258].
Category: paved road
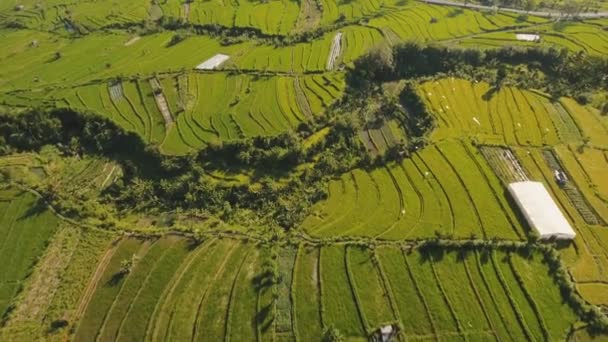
[547,14]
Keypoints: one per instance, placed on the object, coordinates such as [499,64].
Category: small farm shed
[527,37]
[541,211]
[213,62]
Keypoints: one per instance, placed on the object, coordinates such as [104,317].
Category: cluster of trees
[153,181]
[235,35]
[565,73]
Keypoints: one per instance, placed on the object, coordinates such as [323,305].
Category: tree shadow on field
[263,318]
[35,210]
[116,279]
[455,12]
[562,244]
[561,25]
[433,254]
[484,255]
[263,282]
[488,95]
[462,254]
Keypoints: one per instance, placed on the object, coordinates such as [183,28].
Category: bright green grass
[25,226]
[409,303]
[98,56]
[240,322]
[307,297]
[220,289]
[339,307]
[468,308]
[216,302]
[586,170]
[83,16]
[593,126]
[106,291]
[133,284]
[369,288]
[534,322]
[439,308]
[135,324]
[497,218]
[222,106]
[555,313]
[179,314]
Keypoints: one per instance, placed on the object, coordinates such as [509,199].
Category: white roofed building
[541,211]
[213,62]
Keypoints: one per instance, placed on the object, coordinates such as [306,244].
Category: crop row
[429,193]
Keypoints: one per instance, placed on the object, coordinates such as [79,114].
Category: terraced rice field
[585,36]
[207,107]
[99,56]
[312,56]
[223,107]
[74,16]
[423,22]
[430,193]
[509,116]
[220,289]
[25,227]
[272,17]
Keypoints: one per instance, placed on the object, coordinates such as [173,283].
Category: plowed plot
[504,164]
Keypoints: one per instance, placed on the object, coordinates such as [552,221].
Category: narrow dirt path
[92,285]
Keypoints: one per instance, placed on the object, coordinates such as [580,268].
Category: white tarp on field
[213,62]
[541,211]
[527,37]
